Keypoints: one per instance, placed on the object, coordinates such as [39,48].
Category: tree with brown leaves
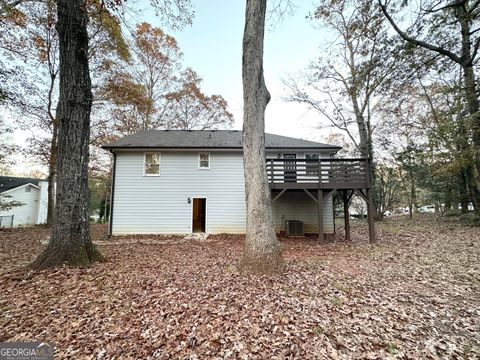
[190,109]
[152,93]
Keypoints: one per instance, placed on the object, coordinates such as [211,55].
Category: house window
[204,160]
[311,164]
[152,164]
[28,189]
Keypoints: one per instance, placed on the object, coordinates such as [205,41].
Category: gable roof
[209,139]
[11,182]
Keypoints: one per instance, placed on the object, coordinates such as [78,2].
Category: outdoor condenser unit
[294,228]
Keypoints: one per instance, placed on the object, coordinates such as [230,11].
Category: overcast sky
[212,46]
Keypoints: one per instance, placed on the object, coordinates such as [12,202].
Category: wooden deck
[319,178]
[325,174]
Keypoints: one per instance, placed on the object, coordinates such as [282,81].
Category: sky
[212,46]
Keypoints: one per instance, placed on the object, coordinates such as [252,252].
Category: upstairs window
[152,164]
[311,164]
[204,160]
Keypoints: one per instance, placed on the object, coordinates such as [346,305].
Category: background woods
[390,87]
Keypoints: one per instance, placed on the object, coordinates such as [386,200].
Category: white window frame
[199,161]
[145,162]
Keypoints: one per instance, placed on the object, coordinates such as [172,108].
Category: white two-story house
[170,182]
[31,193]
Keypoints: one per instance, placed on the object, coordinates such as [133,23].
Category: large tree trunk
[463,190]
[52,172]
[365,146]
[70,240]
[413,195]
[467,62]
[473,104]
[263,252]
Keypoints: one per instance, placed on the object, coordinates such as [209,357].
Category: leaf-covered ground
[416,294]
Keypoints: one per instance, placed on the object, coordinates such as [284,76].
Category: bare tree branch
[454,57]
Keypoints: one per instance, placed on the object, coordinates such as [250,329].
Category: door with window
[290,167]
[311,166]
[199,215]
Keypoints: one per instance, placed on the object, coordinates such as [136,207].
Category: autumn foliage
[152,92]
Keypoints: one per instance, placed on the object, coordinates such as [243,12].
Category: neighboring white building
[33,193]
[167,182]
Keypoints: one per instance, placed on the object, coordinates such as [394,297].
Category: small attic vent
[294,228]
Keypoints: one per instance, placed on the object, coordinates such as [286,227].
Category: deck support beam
[347,197]
[368,197]
[370,215]
[311,196]
[278,195]
[346,215]
[320,215]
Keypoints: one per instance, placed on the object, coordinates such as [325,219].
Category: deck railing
[327,173]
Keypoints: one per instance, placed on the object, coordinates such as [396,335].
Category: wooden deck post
[346,214]
[320,215]
[370,215]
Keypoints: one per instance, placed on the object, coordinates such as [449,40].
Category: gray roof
[211,139]
[10,182]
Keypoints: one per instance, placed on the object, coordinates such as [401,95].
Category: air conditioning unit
[294,228]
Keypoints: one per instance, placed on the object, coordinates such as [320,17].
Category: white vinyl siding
[159,204]
[34,208]
[149,205]
[299,206]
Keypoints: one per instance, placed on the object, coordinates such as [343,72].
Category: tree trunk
[52,171]
[362,128]
[448,198]
[413,195]
[463,192]
[470,82]
[413,189]
[472,188]
[365,147]
[70,240]
[473,104]
[263,252]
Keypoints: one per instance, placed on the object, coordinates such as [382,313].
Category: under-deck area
[320,178]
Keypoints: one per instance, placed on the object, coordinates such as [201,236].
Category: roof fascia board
[277,149]
[19,187]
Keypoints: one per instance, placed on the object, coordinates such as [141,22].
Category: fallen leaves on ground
[415,294]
